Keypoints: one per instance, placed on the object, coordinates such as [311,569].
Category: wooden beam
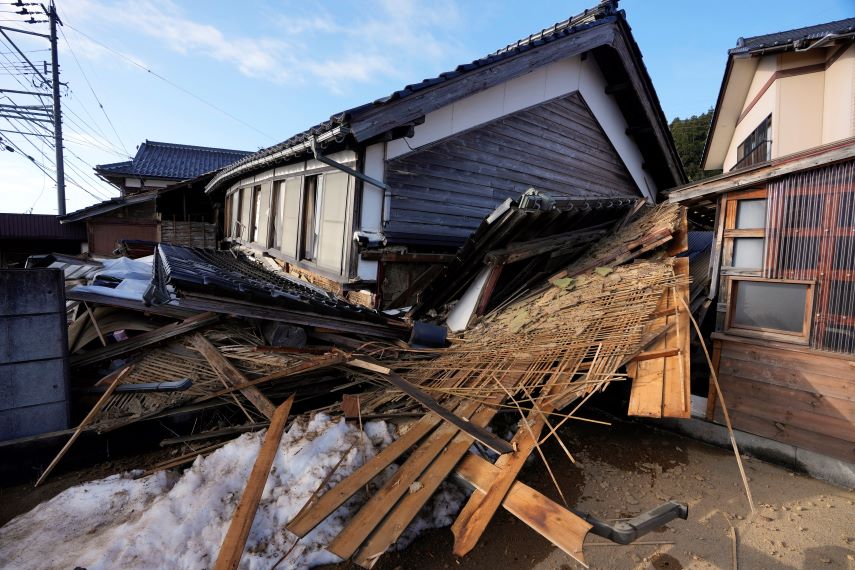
[396,521]
[233,376]
[233,545]
[311,515]
[473,519]
[403,257]
[487,438]
[86,421]
[143,340]
[561,527]
[655,354]
[374,512]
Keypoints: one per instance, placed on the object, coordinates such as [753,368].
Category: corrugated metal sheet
[811,236]
[39,226]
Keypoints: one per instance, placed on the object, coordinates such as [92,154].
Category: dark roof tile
[173,161]
[791,37]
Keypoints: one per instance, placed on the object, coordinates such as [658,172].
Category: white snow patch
[168,520]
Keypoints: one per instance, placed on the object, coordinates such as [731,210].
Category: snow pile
[167,520]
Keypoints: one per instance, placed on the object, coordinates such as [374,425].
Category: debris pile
[546,319]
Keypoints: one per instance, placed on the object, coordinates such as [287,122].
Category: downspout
[328,161]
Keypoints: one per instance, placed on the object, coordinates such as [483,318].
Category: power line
[95,95]
[175,85]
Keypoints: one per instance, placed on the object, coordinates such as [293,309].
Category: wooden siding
[798,396]
[443,190]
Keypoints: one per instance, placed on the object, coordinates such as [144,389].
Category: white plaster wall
[347,157]
[765,105]
[546,83]
[372,207]
[592,86]
[838,120]
[800,103]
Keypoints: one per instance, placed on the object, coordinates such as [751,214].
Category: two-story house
[783,260]
[569,110]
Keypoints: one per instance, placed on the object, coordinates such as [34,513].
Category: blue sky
[282,66]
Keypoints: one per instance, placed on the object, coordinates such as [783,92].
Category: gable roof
[792,38]
[371,120]
[39,226]
[739,64]
[171,161]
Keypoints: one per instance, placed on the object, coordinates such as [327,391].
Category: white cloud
[385,39]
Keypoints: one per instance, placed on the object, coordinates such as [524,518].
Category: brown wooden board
[372,514]
[397,520]
[232,375]
[562,528]
[234,543]
[312,515]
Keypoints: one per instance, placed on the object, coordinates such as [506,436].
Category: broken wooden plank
[233,545]
[558,525]
[86,421]
[232,375]
[487,438]
[418,493]
[476,514]
[676,389]
[308,519]
[373,512]
[650,355]
[143,340]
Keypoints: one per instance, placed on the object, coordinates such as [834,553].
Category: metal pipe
[346,169]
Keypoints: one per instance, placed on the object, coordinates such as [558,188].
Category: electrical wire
[92,89]
[171,83]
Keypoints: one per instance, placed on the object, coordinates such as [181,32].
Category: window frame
[732,233]
[741,155]
[802,338]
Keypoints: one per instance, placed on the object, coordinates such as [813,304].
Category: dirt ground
[622,470]
[629,468]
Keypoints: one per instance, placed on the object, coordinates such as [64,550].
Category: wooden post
[91,314]
[233,545]
[234,376]
[86,421]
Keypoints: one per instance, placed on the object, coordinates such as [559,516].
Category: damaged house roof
[615,50]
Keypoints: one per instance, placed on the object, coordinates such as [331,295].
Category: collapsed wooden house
[540,355]
[372,198]
[782,287]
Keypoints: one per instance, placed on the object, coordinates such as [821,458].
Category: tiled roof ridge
[194,147]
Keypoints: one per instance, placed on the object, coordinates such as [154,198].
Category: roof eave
[293,150]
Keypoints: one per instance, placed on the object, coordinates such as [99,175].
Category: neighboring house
[569,110]
[23,235]
[162,198]
[158,165]
[783,261]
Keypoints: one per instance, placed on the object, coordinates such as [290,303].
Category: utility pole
[57,110]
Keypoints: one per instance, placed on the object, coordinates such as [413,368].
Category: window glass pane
[779,306]
[751,214]
[748,253]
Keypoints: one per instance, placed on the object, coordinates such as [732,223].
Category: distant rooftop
[172,161]
[794,38]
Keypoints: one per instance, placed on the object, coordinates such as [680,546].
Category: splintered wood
[536,357]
